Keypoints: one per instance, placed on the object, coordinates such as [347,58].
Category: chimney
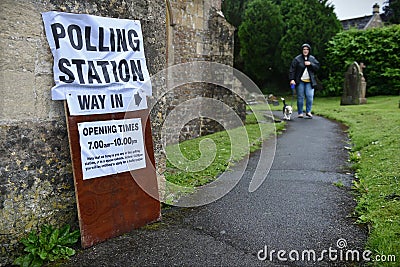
[375,9]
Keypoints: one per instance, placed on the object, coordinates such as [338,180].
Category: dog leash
[292,86]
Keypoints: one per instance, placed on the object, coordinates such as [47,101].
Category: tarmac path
[298,210]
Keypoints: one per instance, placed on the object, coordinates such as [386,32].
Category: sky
[347,9]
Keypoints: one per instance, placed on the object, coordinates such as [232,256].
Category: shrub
[378,49]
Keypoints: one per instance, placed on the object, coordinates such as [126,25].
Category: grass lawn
[374,129]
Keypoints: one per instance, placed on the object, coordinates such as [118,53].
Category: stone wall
[36,182]
[199,32]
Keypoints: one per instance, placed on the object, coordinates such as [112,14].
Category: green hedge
[378,49]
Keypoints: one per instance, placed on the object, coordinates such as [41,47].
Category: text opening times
[109,147]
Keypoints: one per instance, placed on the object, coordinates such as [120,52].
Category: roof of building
[370,21]
[358,23]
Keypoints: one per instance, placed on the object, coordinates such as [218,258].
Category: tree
[259,34]
[313,22]
[233,11]
[392,11]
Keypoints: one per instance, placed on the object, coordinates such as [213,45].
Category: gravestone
[354,86]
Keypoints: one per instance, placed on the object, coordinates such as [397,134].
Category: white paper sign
[89,102]
[110,147]
[95,52]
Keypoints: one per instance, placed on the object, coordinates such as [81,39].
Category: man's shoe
[300,116]
[309,115]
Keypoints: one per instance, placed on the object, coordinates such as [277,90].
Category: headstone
[354,86]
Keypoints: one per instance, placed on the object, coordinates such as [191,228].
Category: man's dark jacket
[297,68]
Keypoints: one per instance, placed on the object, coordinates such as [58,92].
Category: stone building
[374,20]
[36,182]
[197,31]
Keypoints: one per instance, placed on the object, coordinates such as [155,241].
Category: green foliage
[378,49]
[50,245]
[233,11]
[313,22]
[392,11]
[259,35]
[272,31]
[339,184]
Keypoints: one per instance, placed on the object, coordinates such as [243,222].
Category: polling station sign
[110,147]
[95,53]
[100,72]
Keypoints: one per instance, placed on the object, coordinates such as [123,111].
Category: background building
[374,20]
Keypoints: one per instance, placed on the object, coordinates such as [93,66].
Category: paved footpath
[298,210]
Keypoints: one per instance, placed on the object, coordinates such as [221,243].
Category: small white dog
[287,110]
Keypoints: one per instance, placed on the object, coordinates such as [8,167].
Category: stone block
[18,95]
